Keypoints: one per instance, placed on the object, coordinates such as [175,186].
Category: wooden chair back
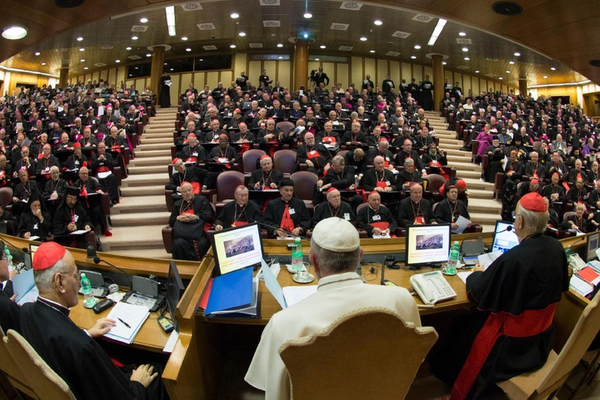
[383,366]
[45,382]
[10,368]
[547,380]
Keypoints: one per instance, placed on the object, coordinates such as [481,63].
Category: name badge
[35,226]
[195,154]
[387,183]
[292,211]
[312,153]
[387,159]
[347,216]
[76,162]
[376,218]
[76,217]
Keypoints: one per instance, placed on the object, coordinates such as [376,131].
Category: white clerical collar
[337,281]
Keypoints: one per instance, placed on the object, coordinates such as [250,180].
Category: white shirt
[336,295]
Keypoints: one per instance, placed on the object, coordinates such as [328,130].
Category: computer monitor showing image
[505,237]
[427,244]
[237,248]
[592,246]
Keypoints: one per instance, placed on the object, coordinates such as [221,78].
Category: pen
[124,323]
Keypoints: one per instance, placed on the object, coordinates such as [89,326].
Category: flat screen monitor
[427,244]
[592,245]
[175,290]
[237,248]
[505,237]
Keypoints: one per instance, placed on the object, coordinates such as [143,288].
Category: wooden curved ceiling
[548,34]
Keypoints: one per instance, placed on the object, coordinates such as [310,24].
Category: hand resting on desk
[101,327]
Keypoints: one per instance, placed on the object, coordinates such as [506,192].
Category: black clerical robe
[189,239]
[372,179]
[324,210]
[265,180]
[382,218]
[63,216]
[298,213]
[32,224]
[448,212]
[74,355]
[233,214]
[9,313]
[521,289]
[409,211]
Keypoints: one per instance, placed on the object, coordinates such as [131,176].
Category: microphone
[92,255]
[275,228]
[507,229]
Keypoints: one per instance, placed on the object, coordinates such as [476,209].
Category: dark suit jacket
[406,214]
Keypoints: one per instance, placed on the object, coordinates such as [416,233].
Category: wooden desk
[150,337]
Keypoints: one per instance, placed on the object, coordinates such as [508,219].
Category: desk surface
[150,337]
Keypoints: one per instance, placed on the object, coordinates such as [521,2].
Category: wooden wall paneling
[240,63]
[395,74]
[329,67]
[284,73]
[406,72]
[199,78]
[383,69]
[112,75]
[174,92]
[227,77]
[466,84]
[186,79]
[356,72]
[139,84]
[254,70]
[370,69]
[427,70]
[417,73]
[475,85]
[121,71]
[341,71]
[271,67]
[212,78]
[96,75]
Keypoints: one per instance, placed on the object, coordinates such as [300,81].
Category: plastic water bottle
[86,287]
[297,257]
[453,259]
[8,257]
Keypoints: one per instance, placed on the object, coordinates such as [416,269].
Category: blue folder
[231,290]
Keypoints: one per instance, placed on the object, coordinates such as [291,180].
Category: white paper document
[462,223]
[295,294]
[272,284]
[129,319]
[486,259]
[581,286]
[79,232]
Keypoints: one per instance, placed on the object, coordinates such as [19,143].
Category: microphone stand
[92,255]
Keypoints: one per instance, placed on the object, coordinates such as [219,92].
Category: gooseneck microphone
[92,255]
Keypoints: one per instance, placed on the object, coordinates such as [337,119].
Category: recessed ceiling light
[545,76]
[85,68]
[143,20]
[127,48]
[467,59]
[462,33]
[165,64]
[188,49]
[37,53]
[202,59]
[413,57]
[14,32]
[371,51]
[500,78]
[149,55]
[553,68]
[378,22]
[81,49]
[134,38]
[363,38]
[139,67]
[417,46]
[323,46]
[511,62]
[172,69]
[82,60]
[279,44]
[508,71]
[465,49]
[444,63]
[117,61]
[316,59]
[232,46]
[517,54]
[307,15]
[79,39]
[184,38]
[43,63]
[235,15]
[476,71]
[242,34]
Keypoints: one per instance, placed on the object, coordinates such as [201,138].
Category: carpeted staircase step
[147,161]
[144,147]
[141,220]
[479,184]
[150,169]
[484,218]
[133,237]
[479,194]
[465,165]
[468,174]
[477,205]
[157,140]
[154,190]
[153,153]
[147,179]
[158,134]
[140,204]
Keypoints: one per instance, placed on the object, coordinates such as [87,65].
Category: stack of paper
[129,319]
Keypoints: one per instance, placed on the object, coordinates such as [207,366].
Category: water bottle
[453,259]
[297,257]
[567,253]
[86,287]
[8,257]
